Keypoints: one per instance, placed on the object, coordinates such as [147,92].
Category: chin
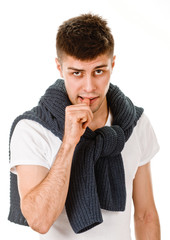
[99,105]
[95,108]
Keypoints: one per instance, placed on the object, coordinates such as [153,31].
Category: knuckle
[67,108]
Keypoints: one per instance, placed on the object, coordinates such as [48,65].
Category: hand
[77,118]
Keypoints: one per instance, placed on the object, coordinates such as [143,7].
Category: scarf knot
[106,141]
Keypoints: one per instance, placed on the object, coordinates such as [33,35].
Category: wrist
[67,144]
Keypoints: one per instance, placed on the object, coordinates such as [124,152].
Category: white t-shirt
[32,144]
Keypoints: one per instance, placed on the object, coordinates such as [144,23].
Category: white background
[142,45]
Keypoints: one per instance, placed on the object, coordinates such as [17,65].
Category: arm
[43,193]
[147,226]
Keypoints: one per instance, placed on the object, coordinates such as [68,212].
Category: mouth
[92,99]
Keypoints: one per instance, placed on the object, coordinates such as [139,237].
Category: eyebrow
[81,70]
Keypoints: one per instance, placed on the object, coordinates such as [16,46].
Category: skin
[88,79]
[147,226]
[43,192]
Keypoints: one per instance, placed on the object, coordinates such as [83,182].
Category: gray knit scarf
[97,178]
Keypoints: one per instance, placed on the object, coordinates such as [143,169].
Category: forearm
[147,227]
[44,203]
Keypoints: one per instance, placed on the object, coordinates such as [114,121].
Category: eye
[77,74]
[98,72]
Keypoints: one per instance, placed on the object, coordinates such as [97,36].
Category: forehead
[72,62]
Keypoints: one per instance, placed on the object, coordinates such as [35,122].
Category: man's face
[87,79]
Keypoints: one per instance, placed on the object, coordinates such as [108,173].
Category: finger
[85,124]
[82,119]
[83,106]
[86,120]
[86,101]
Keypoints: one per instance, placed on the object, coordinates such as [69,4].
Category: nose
[89,84]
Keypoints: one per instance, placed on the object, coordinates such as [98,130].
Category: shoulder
[32,129]
[146,138]
[143,122]
[32,144]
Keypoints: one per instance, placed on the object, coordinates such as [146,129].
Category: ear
[113,62]
[59,67]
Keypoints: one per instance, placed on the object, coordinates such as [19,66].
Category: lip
[92,99]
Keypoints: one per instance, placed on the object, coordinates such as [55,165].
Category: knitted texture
[97,174]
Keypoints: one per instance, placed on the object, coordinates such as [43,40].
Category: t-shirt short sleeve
[32,144]
[147,140]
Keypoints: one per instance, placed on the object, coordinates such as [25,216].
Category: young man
[83,153]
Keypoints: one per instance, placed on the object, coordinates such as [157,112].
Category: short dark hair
[84,37]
